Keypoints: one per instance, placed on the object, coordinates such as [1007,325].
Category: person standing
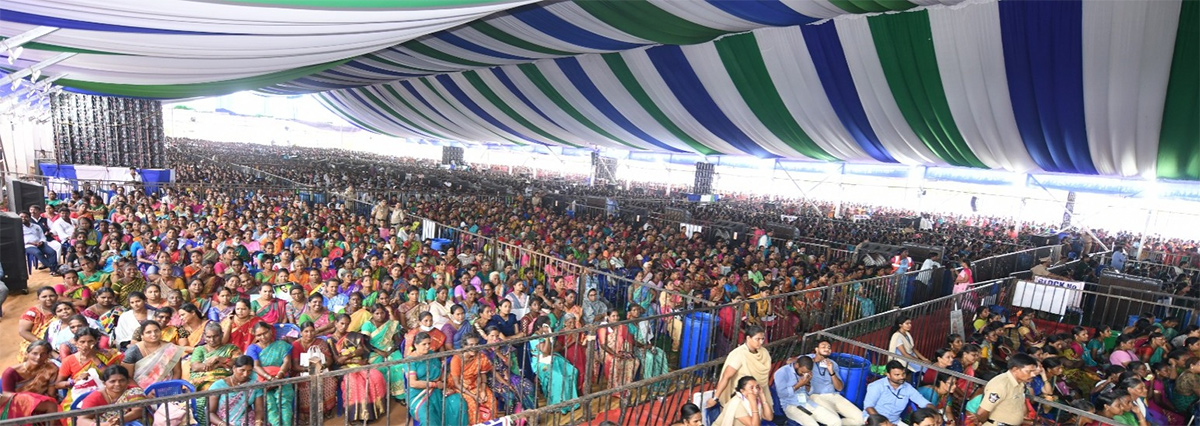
[825,385]
[1004,396]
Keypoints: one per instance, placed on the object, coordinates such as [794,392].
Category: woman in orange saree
[469,372]
[619,363]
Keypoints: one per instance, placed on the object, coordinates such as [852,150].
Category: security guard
[1004,396]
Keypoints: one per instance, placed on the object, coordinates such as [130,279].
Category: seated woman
[59,331]
[237,408]
[365,392]
[35,374]
[210,362]
[513,391]
[468,373]
[151,359]
[119,388]
[239,327]
[169,333]
[131,320]
[273,361]
[191,328]
[557,376]
[1051,385]
[63,342]
[427,403]
[939,393]
[267,307]
[318,315]
[316,352]
[690,415]
[749,406]
[943,358]
[88,359]
[1030,335]
[33,324]
[1187,386]
[105,311]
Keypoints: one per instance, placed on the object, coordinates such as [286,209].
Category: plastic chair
[75,404]
[282,330]
[30,262]
[170,388]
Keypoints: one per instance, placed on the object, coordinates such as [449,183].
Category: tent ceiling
[1104,88]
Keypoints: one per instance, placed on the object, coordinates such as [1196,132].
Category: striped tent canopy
[1070,86]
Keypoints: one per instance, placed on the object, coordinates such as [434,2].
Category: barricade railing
[1001,266]
[601,355]
[951,402]
[1151,269]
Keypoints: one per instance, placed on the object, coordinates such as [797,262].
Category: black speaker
[22,194]
[704,178]
[452,155]
[1044,240]
[12,253]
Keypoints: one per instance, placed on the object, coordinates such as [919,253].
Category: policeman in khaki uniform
[1004,396]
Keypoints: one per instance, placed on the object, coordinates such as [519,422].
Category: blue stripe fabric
[536,16]
[447,83]
[507,82]
[32,19]
[459,42]
[766,12]
[387,72]
[679,76]
[825,47]
[413,91]
[574,72]
[1043,59]
[388,117]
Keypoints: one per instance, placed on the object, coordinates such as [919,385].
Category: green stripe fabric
[369,4]
[1179,140]
[333,106]
[511,40]
[417,46]
[642,19]
[535,76]
[621,70]
[396,95]
[183,91]
[425,81]
[394,115]
[744,63]
[502,105]
[872,6]
[904,44]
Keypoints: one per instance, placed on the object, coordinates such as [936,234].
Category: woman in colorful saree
[71,290]
[273,361]
[191,328]
[150,358]
[558,377]
[105,310]
[468,373]
[119,388]
[316,313]
[35,374]
[33,324]
[512,390]
[620,365]
[222,305]
[237,408]
[318,354]
[209,363]
[426,402]
[574,345]
[652,358]
[365,392]
[88,358]
[267,308]
[240,326]
[23,404]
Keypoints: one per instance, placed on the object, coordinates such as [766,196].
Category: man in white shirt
[928,266]
[35,244]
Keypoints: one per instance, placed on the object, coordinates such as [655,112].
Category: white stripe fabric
[603,77]
[820,9]
[555,76]
[456,118]
[572,13]
[518,29]
[971,64]
[362,114]
[894,132]
[705,14]
[795,76]
[458,52]
[706,63]
[474,36]
[386,95]
[645,72]
[1127,51]
[522,110]
[547,106]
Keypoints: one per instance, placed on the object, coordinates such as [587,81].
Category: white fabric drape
[971,64]
[1127,51]
[572,13]
[547,106]
[529,115]
[705,14]
[872,86]
[555,76]
[790,65]
[706,62]
[612,89]
[421,119]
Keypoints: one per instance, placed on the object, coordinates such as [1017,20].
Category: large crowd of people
[241,279]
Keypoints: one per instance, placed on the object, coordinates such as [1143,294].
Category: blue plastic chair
[75,404]
[30,262]
[170,388]
[282,330]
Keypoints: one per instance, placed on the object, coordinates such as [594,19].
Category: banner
[689,229]
[1048,295]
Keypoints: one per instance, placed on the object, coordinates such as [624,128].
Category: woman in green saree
[210,363]
[426,402]
[381,331]
[654,359]
[273,361]
[237,408]
[557,376]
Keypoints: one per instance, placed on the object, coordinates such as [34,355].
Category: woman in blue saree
[273,361]
[513,390]
[427,403]
[237,408]
[557,376]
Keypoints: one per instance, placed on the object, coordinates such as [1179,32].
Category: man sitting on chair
[891,396]
[792,383]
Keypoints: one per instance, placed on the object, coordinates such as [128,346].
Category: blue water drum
[439,244]
[853,371]
[697,334]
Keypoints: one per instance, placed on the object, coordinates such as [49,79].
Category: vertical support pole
[1150,214]
[1068,210]
[316,413]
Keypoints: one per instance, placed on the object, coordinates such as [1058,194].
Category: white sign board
[1048,295]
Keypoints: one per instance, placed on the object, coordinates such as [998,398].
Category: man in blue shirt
[825,385]
[1118,259]
[792,383]
[889,397]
